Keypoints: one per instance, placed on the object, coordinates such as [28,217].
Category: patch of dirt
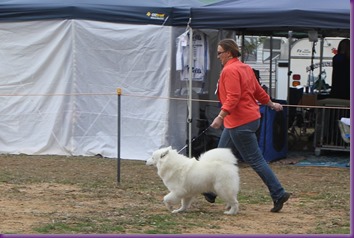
[39,191]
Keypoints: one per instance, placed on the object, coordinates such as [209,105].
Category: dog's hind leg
[231,202]
[185,204]
[229,195]
[233,205]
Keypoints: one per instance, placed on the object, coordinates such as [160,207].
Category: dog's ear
[163,154]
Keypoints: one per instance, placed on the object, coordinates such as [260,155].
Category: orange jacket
[238,91]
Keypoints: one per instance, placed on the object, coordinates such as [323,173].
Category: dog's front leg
[169,200]
[186,203]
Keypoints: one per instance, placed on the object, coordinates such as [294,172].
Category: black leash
[194,139]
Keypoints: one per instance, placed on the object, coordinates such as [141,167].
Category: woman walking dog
[238,91]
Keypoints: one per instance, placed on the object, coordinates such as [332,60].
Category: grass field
[80,195]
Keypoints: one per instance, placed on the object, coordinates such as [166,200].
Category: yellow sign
[156,16]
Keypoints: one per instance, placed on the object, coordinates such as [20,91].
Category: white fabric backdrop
[58,86]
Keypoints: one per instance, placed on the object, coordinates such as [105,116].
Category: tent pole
[271,66]
[290,39]
[190,93]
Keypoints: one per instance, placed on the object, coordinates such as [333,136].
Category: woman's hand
[275,106]
[217,123]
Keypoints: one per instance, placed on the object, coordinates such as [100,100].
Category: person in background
[341,71]
[239,94]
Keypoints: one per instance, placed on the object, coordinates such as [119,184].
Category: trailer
[305,65]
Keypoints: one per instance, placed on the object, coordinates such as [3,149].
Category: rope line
[152,97]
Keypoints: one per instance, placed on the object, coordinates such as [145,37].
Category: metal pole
[321,61]
[290,38]
[119,93]
[271,66]
[243,47]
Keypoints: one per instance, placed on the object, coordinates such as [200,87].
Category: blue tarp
[334,159]
[327,16]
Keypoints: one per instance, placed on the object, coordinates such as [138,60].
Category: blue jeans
[244,139]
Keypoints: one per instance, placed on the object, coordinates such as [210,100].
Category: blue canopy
[160,12]
[327,16]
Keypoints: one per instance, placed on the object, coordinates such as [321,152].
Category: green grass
[333,227]
[84,227]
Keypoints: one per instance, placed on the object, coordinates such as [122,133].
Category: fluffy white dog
[215,171]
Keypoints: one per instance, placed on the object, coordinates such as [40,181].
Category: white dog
[215,171]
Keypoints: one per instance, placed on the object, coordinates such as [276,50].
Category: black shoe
[278,204]
[210,197]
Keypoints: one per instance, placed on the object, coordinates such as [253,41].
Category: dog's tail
[224,155]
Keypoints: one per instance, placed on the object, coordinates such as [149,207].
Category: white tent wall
[58,88]
[33,63]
